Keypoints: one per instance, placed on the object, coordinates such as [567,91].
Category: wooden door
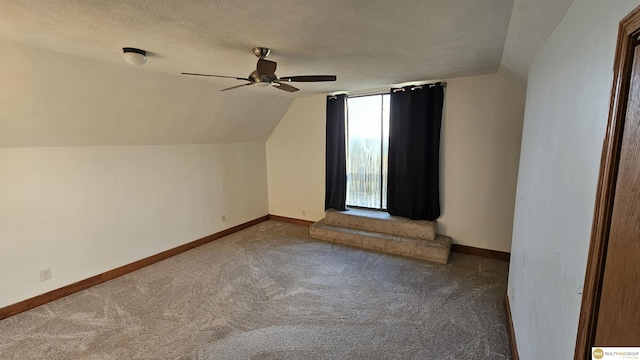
[618,321]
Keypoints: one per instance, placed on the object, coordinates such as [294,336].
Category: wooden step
[381,222]
[436,250]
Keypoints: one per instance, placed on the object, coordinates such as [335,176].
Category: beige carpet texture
[272,292]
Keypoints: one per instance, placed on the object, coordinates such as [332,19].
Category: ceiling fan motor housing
[257,77]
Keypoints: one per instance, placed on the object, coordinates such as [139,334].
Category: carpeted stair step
[436,250]
[381,222]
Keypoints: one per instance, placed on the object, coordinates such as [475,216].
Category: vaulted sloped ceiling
[53,99]
[65,83]
[532,21]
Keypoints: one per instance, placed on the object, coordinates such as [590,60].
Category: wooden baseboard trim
[512,334]
[56,294]
[52,295]
[290,220]
[492,254]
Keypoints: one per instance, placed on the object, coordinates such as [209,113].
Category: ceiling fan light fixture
[134,56]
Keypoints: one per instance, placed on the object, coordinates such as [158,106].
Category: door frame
[628,31]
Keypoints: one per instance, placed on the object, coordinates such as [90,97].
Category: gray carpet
[271,292]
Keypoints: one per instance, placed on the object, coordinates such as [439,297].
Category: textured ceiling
[366,43]
[64,82]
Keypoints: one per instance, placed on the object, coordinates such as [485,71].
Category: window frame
[383,190]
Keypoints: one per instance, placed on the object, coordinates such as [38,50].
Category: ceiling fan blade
[219,76]
[237,86]
[285,87]
[309,78]
[266,67]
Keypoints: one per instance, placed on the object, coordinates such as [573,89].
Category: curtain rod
[333,97]
[372,94]
[413,87]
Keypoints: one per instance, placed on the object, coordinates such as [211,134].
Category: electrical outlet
[224,218]
[45,274]
[304,212]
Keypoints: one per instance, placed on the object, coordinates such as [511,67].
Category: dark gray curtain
[413,188]
[335,196]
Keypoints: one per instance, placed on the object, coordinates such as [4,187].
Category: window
[367,150]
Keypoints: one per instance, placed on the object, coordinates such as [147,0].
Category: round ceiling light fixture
[134,56]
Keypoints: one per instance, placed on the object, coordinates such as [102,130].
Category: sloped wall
[53,99]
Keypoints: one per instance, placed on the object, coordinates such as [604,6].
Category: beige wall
[480,145]
[481,130]
[81,211]
[295,158]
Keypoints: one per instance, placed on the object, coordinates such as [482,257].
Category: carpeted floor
[271,292]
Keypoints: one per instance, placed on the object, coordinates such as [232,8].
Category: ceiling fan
[265,74]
